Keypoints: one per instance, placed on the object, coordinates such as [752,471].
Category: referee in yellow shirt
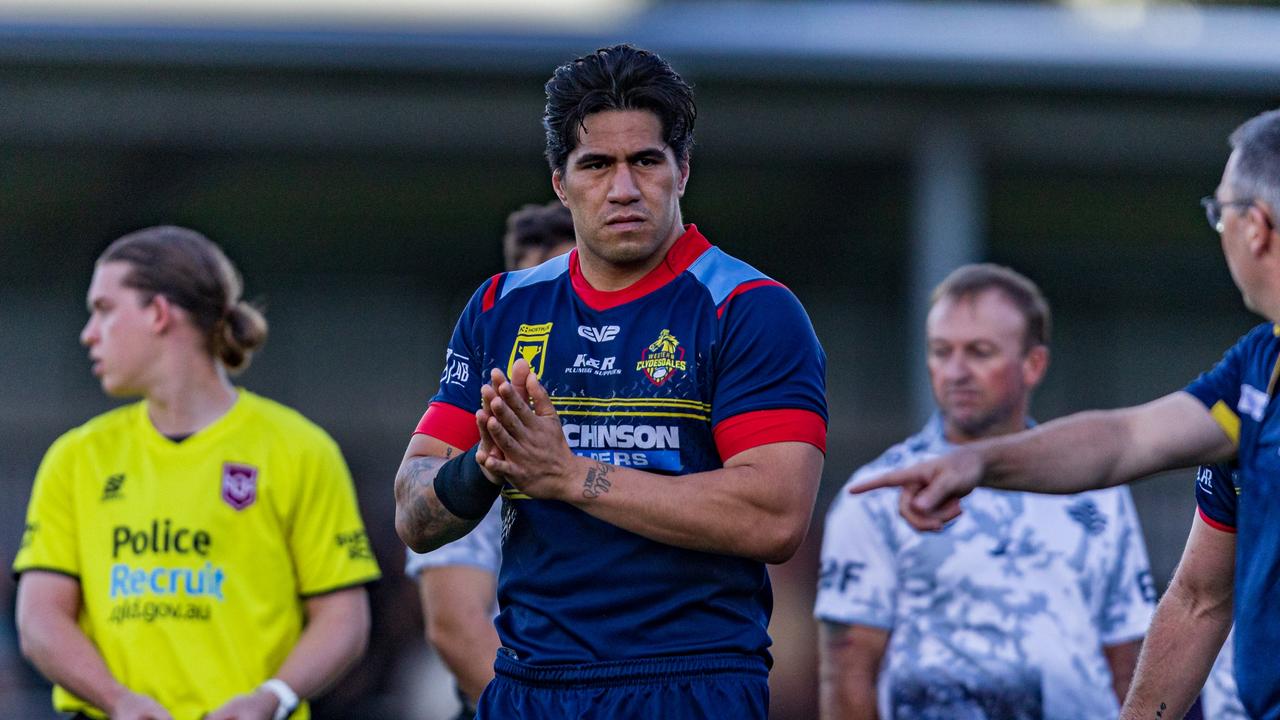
[198,554]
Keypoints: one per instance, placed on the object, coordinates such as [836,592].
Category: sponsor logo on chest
[531,344]
[662,359]
[655,447]
[599,334]
[600,367]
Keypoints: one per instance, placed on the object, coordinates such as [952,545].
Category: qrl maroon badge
[239,485]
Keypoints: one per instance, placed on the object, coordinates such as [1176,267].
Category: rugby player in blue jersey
[1226,413]
[652,412]
[457,583]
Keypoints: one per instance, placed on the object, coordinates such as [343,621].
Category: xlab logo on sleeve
[239,485]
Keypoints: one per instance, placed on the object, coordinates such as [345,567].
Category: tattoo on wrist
[597,482]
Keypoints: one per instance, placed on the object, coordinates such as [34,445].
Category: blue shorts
[706,687]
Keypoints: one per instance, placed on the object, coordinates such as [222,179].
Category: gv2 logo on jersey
[531,344]
[663,358]
[599,334]
[239,485]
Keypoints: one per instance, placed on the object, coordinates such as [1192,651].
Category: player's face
[623,185]
[119,332]
[980,375]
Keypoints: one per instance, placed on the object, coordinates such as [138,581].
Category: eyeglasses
[1213,209]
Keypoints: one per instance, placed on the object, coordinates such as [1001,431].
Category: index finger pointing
[893,478]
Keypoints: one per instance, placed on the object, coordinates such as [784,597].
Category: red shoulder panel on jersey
[1214,523]
[762,427]
[491,293]
[450,424]
[752,285]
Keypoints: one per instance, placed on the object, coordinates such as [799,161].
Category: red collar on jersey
[687,248]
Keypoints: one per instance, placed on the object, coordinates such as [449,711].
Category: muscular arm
[457,601]
[1191,621]
[1103,448]
[849,657]
[421,521]
[1080,452]
[757,506]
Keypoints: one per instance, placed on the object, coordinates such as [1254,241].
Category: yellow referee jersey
[194,557]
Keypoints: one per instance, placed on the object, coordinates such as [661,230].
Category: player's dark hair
[969,281]
[1257,146]
[194,274]
[621,77]
[536,227]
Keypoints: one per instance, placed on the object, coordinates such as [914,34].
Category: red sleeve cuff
[1210,521]
[763,427]
[450,424]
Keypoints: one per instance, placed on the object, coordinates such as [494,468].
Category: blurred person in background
[536,234]
[1225,414]
[457,583]
[692,393]
[198,554]
[1031,606]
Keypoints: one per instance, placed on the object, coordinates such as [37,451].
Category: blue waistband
[629,671]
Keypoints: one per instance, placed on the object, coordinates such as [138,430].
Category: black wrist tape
[463,489]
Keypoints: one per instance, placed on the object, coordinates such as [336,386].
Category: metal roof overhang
[1051,80]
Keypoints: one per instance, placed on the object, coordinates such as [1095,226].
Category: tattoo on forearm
[1160,712]
[416,497]
[597,482]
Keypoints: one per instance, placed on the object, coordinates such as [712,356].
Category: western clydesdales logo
[531,344]
[662,358]
[239,485]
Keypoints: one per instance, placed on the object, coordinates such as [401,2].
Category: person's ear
[557,184]
[1035,365]
[684,178]
[1262,234]
[163,311]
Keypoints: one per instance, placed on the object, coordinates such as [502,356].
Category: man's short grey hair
[1257,147]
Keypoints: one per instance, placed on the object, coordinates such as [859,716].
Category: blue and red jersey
[701,359]
[1218,495]
[1238,392]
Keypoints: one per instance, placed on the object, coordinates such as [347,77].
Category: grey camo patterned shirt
[1001,616]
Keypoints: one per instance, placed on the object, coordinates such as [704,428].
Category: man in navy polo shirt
[653,412]
[1225,413]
